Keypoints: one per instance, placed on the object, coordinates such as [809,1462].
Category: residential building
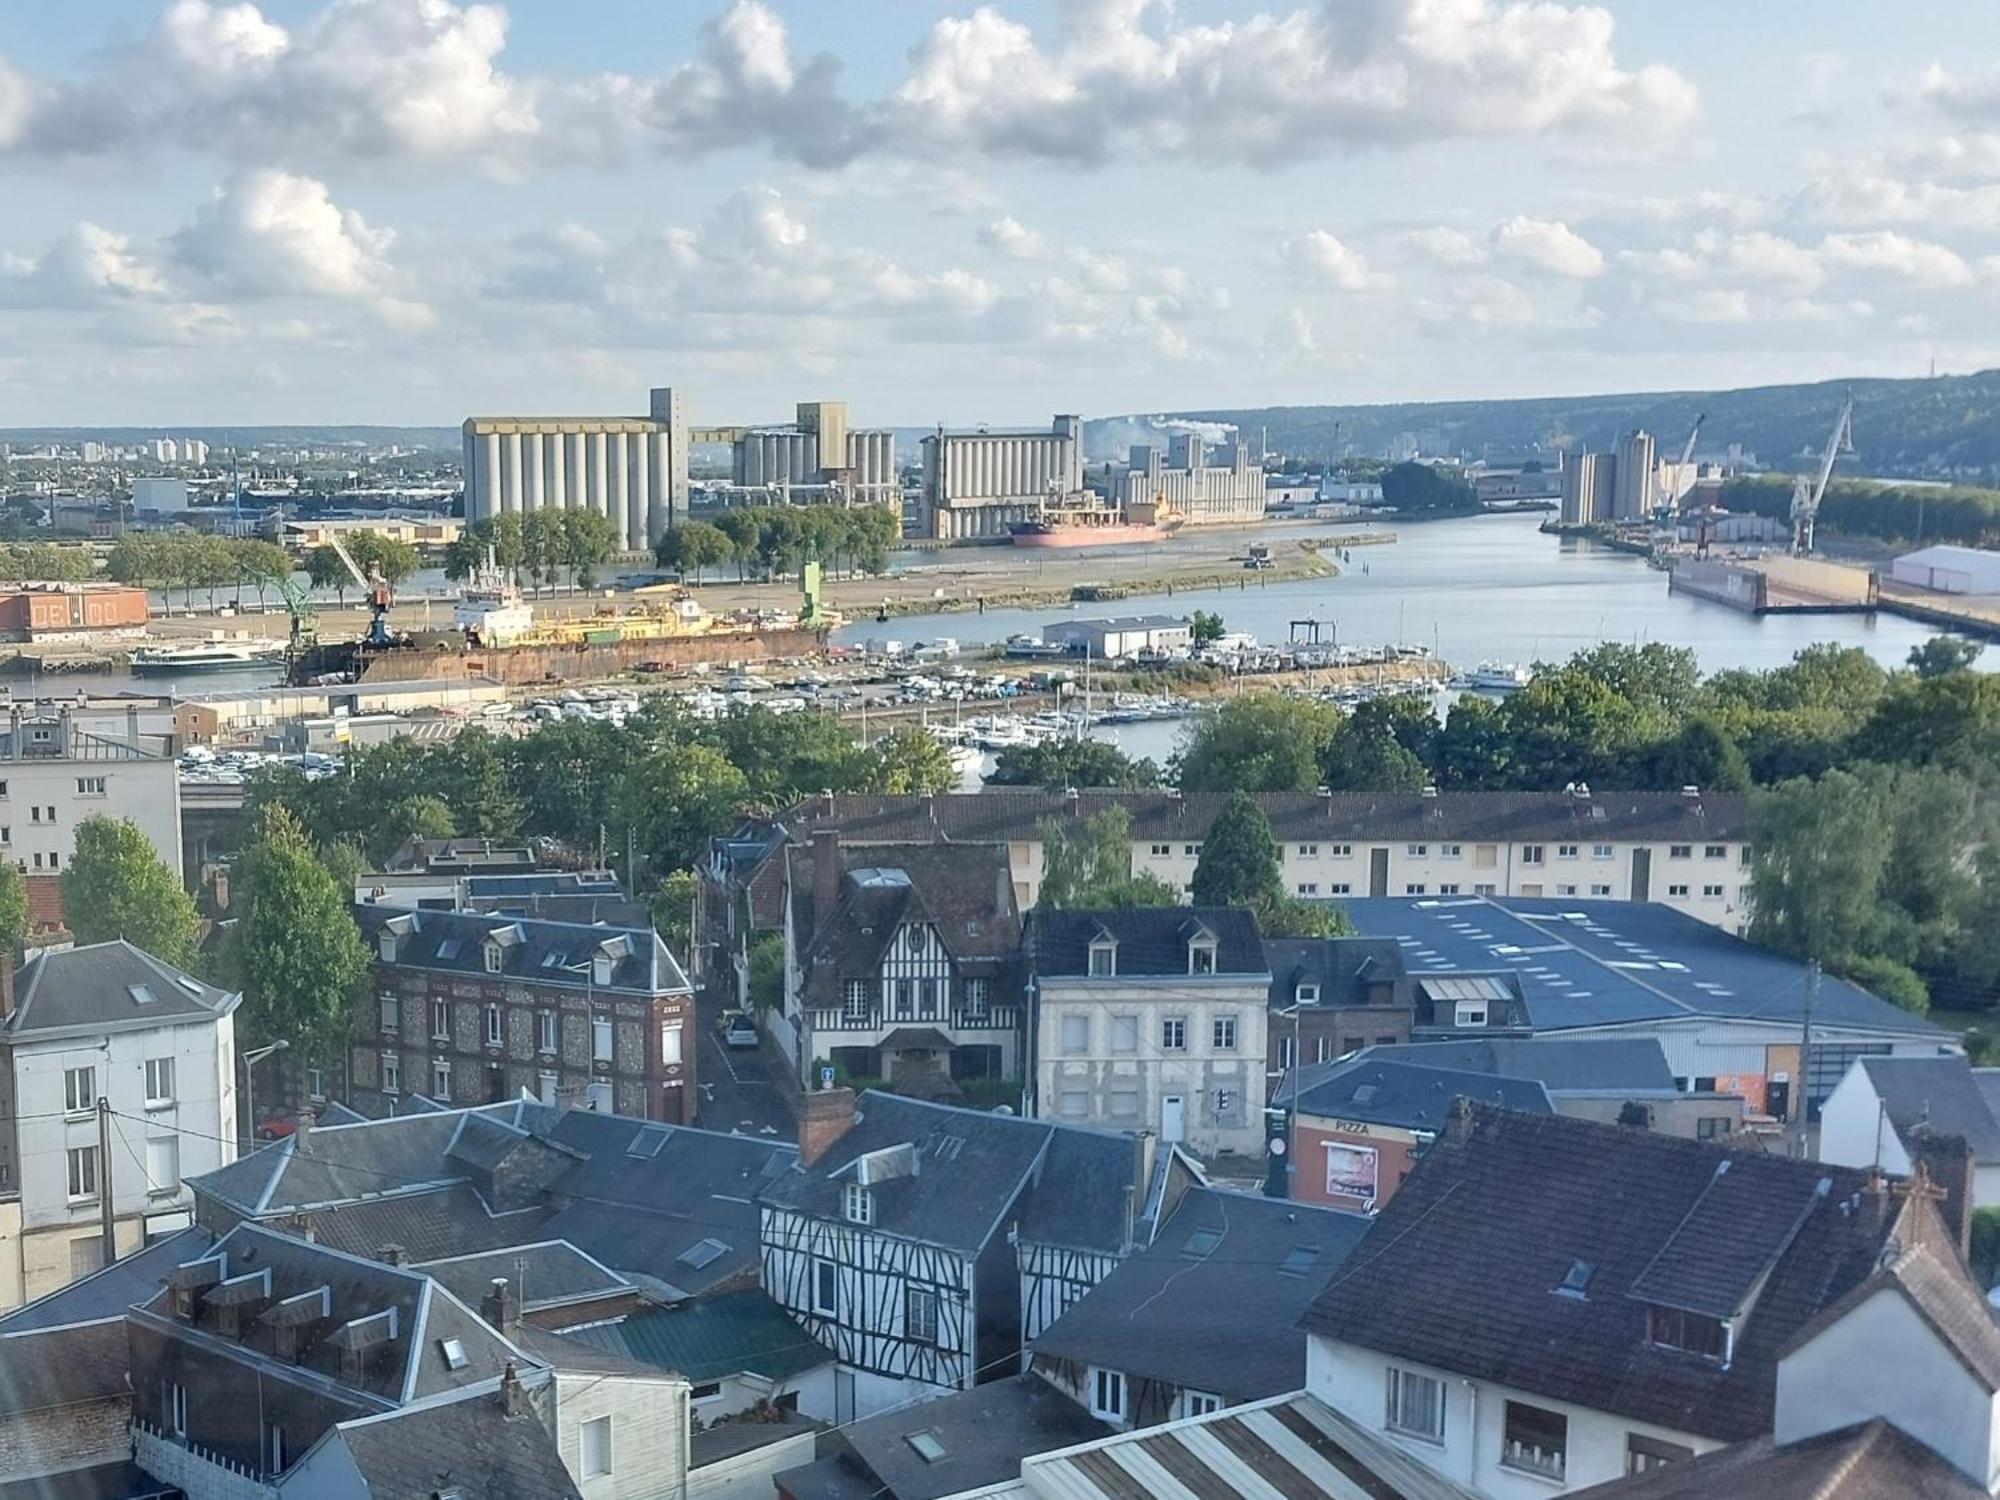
[925,1245]
[1184,484]
[1551,1303]
[1877,1114]
[1205,1317]
[1333,996]
[902,964]
[55,773]
[1728,1015]
[1890,1392]
[1116,639]
[105,1022]
[977,481]
[478,1007]
[1152,1019]
[1688,850]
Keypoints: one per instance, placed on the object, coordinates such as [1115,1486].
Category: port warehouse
[1949,570]
[70,611]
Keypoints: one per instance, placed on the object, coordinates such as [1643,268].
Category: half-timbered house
[918,1243]
[902,964]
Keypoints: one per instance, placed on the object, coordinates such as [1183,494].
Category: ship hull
[569,661]
[1088,536]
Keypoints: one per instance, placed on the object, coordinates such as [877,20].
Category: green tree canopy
[1425,487]
[912,760]
[1257,743]
[13,909]
[296,946]
[1089,864]
[1060,764]
[1239,864]
[1942,655]
[116,887]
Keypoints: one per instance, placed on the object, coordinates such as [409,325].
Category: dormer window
[856,1206]
[1690,1332]
[388,946]
[601,965]
[1103,959]
[1469,1013]
[1201,957]
[1306,994]
[496,956]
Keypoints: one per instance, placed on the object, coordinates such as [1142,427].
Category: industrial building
[1620,486]
[1587,487]
[1949,570]
[977,482]
[1632,485]
[1184,484]
[814,460]
[71,611]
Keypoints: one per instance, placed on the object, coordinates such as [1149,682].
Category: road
[742,1092]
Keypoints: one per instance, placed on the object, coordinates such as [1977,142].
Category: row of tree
[1954,513]
[46,561]
[190,560]
[547,545]
[393,558]
[776,539]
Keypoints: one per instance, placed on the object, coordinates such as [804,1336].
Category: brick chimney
[501,1307]
[302,1131]
[1946,1160]
[826,873]
[824,1117]
[6,987]
[393,1254]
[513,1399]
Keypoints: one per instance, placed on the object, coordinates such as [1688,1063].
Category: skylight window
[1576,1281]
[454,1354]
[449,949]
[702,1254]
[1201,1242]
[1365,1094]
[1299,1260]
[141,995]
[928,1445]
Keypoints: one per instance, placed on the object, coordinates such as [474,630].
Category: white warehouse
[1949,570]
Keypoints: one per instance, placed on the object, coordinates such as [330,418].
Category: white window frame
[1103,960]
[1107,1393]
[920,1326]
[440,1020]
[548,1031]
[1173,1033]
[391,1011]
[441,1079]
[1469,1013]
[602,1040]
[857,1206]
[81,1163]
[167,1184]
[1222,1033]
[595,1432]
[821,1271]
[1075,1032]
[1401,1401]
[1199,1403]
[670,1044]
[496,1025]
[176,1408]
[79,1090]
[392,1073]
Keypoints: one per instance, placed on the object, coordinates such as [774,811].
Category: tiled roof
[1873,1461]
[1944,1093]
[533,950]
[1152,941]
[713,1337]
[106,1292]
[1410,1095]
[973,1172]
[108,986]
[1562,1065]
[1462,1268]
[548,1273]
[1240,1270]
[468,1447]
[1344,968]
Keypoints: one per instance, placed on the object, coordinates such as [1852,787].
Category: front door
[1173,1118]
[1378,872]
[1642,874]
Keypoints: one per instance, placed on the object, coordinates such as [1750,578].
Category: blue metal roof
[1610,963]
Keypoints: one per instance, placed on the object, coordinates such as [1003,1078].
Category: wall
[583,662]
[146,791]
[747,1476]
[1395,1152]
[649,1430]
[57,1439]
[1853,1132]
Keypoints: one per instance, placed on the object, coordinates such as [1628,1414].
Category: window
[1200,1403]
[854,1000]
[496,957]
[1076,1033]
[90,786]
[1161,851]
[1416,1405]
[1190,849]
[1285,1056]
[1715,851]
[1469,1013]
[1711,1127]
[174,1407]
[545,1028]
[1452,851]
[1173,1034]
[392,1012]
[1487,889]
[596,1447]
[1323,1049]
[316,1083]
[440,1020]
[1103,960]
[1201,958]
[1600,890]
[1308,888]
[1309,851]
[392,1073]
[159,1081]
[1677,890]
[86,1254]
[1565,851]
[1449,888]
[920,1320]
[274,1448]
[1107,1395]
[1565,890]
[826,1299]
[1712,892]
[1074,1104]
[441,1079]
[1306,993]
[1680,851]
[1419,851]
[1600,851]
[1415,888]
[163,1165]
[598,1097]
[493,1032]
[1671,1328]
[79,1089]
[82,1171]
[670,1044]
[856,1206]
[899,999]
[1225,1033]
[600,1039]
[546,1079]
[1643,1454]
[1343,851]
[1531,854]
[1124,1104]
[1534,1439]
[978,997]
[1124,1033]
[1341,888]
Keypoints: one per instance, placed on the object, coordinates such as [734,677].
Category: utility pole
[106,1214]
[1805,1058]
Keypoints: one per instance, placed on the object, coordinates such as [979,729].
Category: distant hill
[443,438]
[1943,428]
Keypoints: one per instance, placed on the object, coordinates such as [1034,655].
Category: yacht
[1499,676]
[205,656]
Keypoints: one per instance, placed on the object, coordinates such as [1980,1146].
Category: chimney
[501,1308]
[302,1131]
[1944,1163]
[393,1254]
[6,987]
[826,801]
[132,722]
[513,1399]
[1072,801]
[824,1117]
[1458,1122]
[826,873]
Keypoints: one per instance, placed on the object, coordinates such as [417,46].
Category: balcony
[837,1019]
[199,1473]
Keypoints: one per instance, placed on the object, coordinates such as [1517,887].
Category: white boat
[490,609]
[1499,676]
[205,656]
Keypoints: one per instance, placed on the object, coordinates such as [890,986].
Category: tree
[542,543]
[783,757]
[1942,655]
[116,887]
[1239,863]
[565,777]
[1384,746]
[1654,678]
[1414,487]
[411,818]
[913,761]
[587,543]
[1702,754]
[671,903]
[1090,865]
[503,534]
[1475,748]
[743,528]
[462,557]
[298,950]
[470,775]
[1060,764]
[1258,743]
[1817,854]
[13,909]
[694,545]
[1207,627]
[1289,916]
[325,570]
[677,799]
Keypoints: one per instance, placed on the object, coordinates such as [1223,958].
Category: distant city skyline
[403,211]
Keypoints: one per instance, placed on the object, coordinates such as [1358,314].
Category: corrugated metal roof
[708,1338]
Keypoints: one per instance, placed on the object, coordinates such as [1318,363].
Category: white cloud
[1866,198]
[1758,256]
[1012,238]
[90,266]
[1897,255]
[1330,261]
[1548,245]
[1445,247]
[1960,97]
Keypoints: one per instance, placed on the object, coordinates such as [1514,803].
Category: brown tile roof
[1873,1461]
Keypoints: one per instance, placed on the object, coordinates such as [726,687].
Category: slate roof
[546,1274]
[444,1221]
[1408,1095]
[984,1432]
[468,1445]
[1152,941]
[1241,1269]
[1583,964]
[1461,1269]
[106,1292]
[454,942]
[1000,814]
[1945,1093]
[1063,1184]
[1562,1065]
[713,1337]
[1873,1461]
[1343,968]
[108,987]
[47,1367]
[342,1163]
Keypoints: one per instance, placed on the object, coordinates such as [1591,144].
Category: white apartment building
[105,1021]
[54,773]
[1152,1019]
[975,483]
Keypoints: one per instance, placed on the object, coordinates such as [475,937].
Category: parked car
[738,1030]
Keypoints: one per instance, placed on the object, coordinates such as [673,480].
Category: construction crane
[1671,493]
[1809,489]
[376,587]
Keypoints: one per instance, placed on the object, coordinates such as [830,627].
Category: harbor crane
[1809,489]
[1669,503]
[376,587]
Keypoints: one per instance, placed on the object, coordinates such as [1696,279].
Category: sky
[411,211]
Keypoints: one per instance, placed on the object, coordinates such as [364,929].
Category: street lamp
[250,1060]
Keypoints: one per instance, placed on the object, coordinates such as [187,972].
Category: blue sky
[409,210]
